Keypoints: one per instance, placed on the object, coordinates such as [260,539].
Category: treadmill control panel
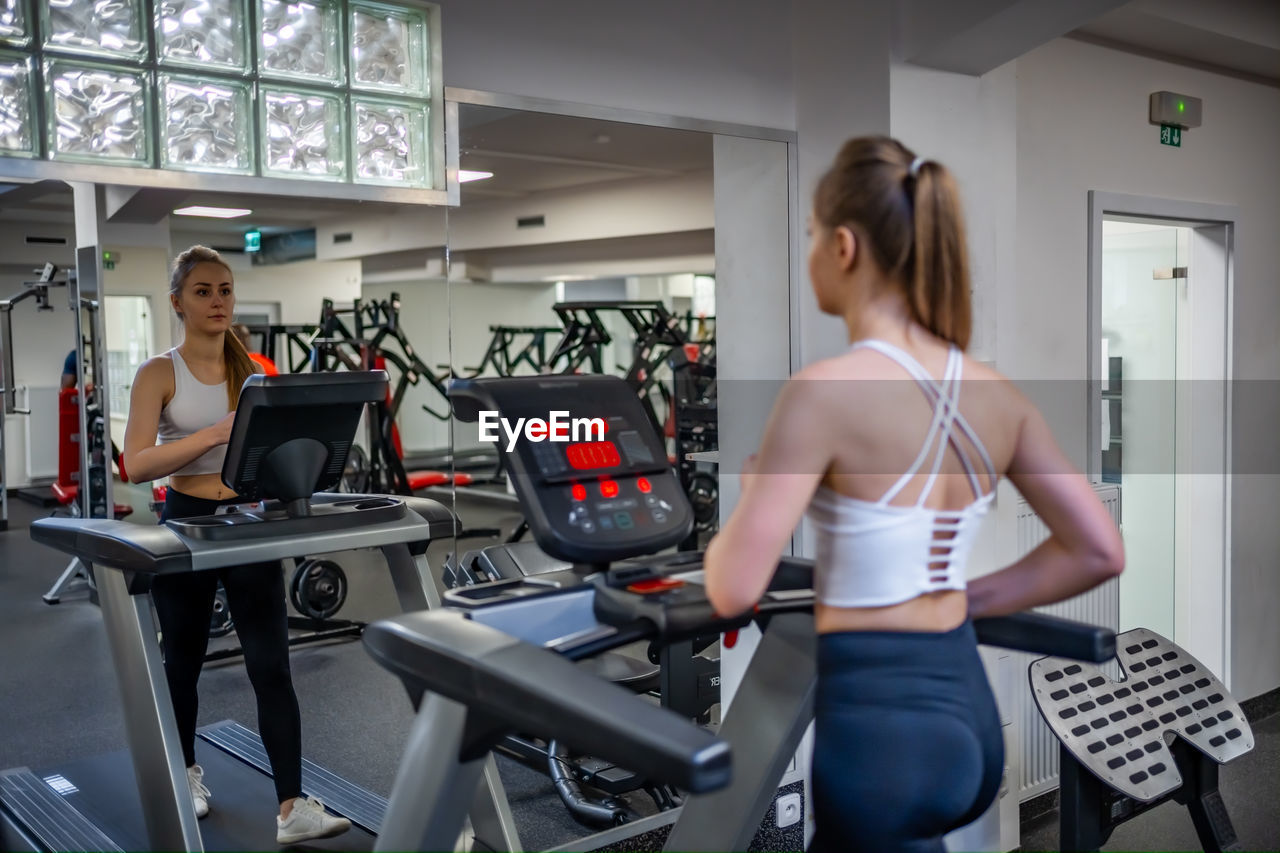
[593,477]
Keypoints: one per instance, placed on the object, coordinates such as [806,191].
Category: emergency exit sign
[1170,135]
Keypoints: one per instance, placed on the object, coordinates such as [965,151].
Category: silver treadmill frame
[150,726]
[764,725]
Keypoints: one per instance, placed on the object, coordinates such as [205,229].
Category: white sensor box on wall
[1175,110]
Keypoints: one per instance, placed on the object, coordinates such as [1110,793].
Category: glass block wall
[331,90]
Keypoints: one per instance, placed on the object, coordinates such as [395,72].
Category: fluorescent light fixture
[465,175]
[213,212]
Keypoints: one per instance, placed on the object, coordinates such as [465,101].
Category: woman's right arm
[1084,548]
[146,460]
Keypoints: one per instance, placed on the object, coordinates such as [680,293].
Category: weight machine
[499,360]
[93,497]
[292,343]
[658,332]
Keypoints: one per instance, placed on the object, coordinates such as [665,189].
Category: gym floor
[60,702]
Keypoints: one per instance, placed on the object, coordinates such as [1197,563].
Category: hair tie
[914,169]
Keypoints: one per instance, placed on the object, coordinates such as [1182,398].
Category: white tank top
[194,406]
[873,554]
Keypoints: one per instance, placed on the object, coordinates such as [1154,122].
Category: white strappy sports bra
[872,554]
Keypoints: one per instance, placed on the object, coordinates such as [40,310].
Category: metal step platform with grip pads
[1130,745]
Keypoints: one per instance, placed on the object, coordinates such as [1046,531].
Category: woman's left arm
[777,485]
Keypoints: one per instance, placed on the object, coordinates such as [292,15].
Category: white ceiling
[1240,37]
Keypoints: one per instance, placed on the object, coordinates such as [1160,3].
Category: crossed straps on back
[945,397]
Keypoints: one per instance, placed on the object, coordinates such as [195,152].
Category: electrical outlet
[788,810]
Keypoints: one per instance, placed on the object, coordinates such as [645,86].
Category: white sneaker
[309,820]
[199,793]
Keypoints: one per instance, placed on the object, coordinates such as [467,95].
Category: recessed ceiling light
[465,175]
[213,212]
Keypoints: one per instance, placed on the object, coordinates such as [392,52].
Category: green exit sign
[1170,135]
[253,241]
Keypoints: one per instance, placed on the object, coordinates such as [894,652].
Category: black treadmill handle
[533,690]
[1041,634]
[106,542]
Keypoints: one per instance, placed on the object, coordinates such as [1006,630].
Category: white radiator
[1098,606]
[42,433]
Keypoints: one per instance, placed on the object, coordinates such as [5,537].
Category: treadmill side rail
[119,544]
[151,730]
[536,690]
[1039,633]
[764,725]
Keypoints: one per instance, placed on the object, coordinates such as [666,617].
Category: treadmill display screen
[588,456]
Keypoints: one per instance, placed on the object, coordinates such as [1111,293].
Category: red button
[579,492]
[609,488]
[644,485]
[655,585]
[730,639]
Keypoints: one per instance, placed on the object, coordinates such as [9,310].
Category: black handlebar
[1040,634]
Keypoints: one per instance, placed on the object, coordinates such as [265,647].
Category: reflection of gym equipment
[77,577]
[694,430]
[510,656]
[657,333]
[288,439]
[1129,746]
[376,340]
[317,589]
[500,359]
[84,481]
[289,347]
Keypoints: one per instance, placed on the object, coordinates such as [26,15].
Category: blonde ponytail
[939,289]
[908,208]
[239,366]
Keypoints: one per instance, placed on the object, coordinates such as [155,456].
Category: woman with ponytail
[180,414]
[896,465]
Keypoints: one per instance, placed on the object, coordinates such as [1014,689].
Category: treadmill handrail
[1039,633]
[531,689]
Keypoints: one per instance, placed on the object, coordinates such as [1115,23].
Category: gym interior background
[667,154]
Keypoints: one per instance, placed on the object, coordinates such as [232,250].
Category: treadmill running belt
[363,808]
[241,811]
[55,823]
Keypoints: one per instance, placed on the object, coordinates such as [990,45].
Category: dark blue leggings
[255,597]
[908,744]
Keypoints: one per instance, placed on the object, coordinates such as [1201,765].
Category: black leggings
[255,597]
[907,740]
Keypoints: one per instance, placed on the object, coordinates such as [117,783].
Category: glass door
[1143,291]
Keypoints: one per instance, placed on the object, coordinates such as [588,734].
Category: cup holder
[374,503]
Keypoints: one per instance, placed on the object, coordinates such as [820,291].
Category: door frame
[1218,224]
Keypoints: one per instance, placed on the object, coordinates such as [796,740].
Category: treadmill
[501,657]
[289,440]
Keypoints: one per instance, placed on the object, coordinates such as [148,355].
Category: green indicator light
[1182,108]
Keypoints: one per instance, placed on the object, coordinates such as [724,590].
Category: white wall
[1082,125]
[615,209]
[725,60]
[969,125]
[300,287]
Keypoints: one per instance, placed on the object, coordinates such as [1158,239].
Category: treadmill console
[592,477]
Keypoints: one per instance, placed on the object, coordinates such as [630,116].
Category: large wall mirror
[583,246]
